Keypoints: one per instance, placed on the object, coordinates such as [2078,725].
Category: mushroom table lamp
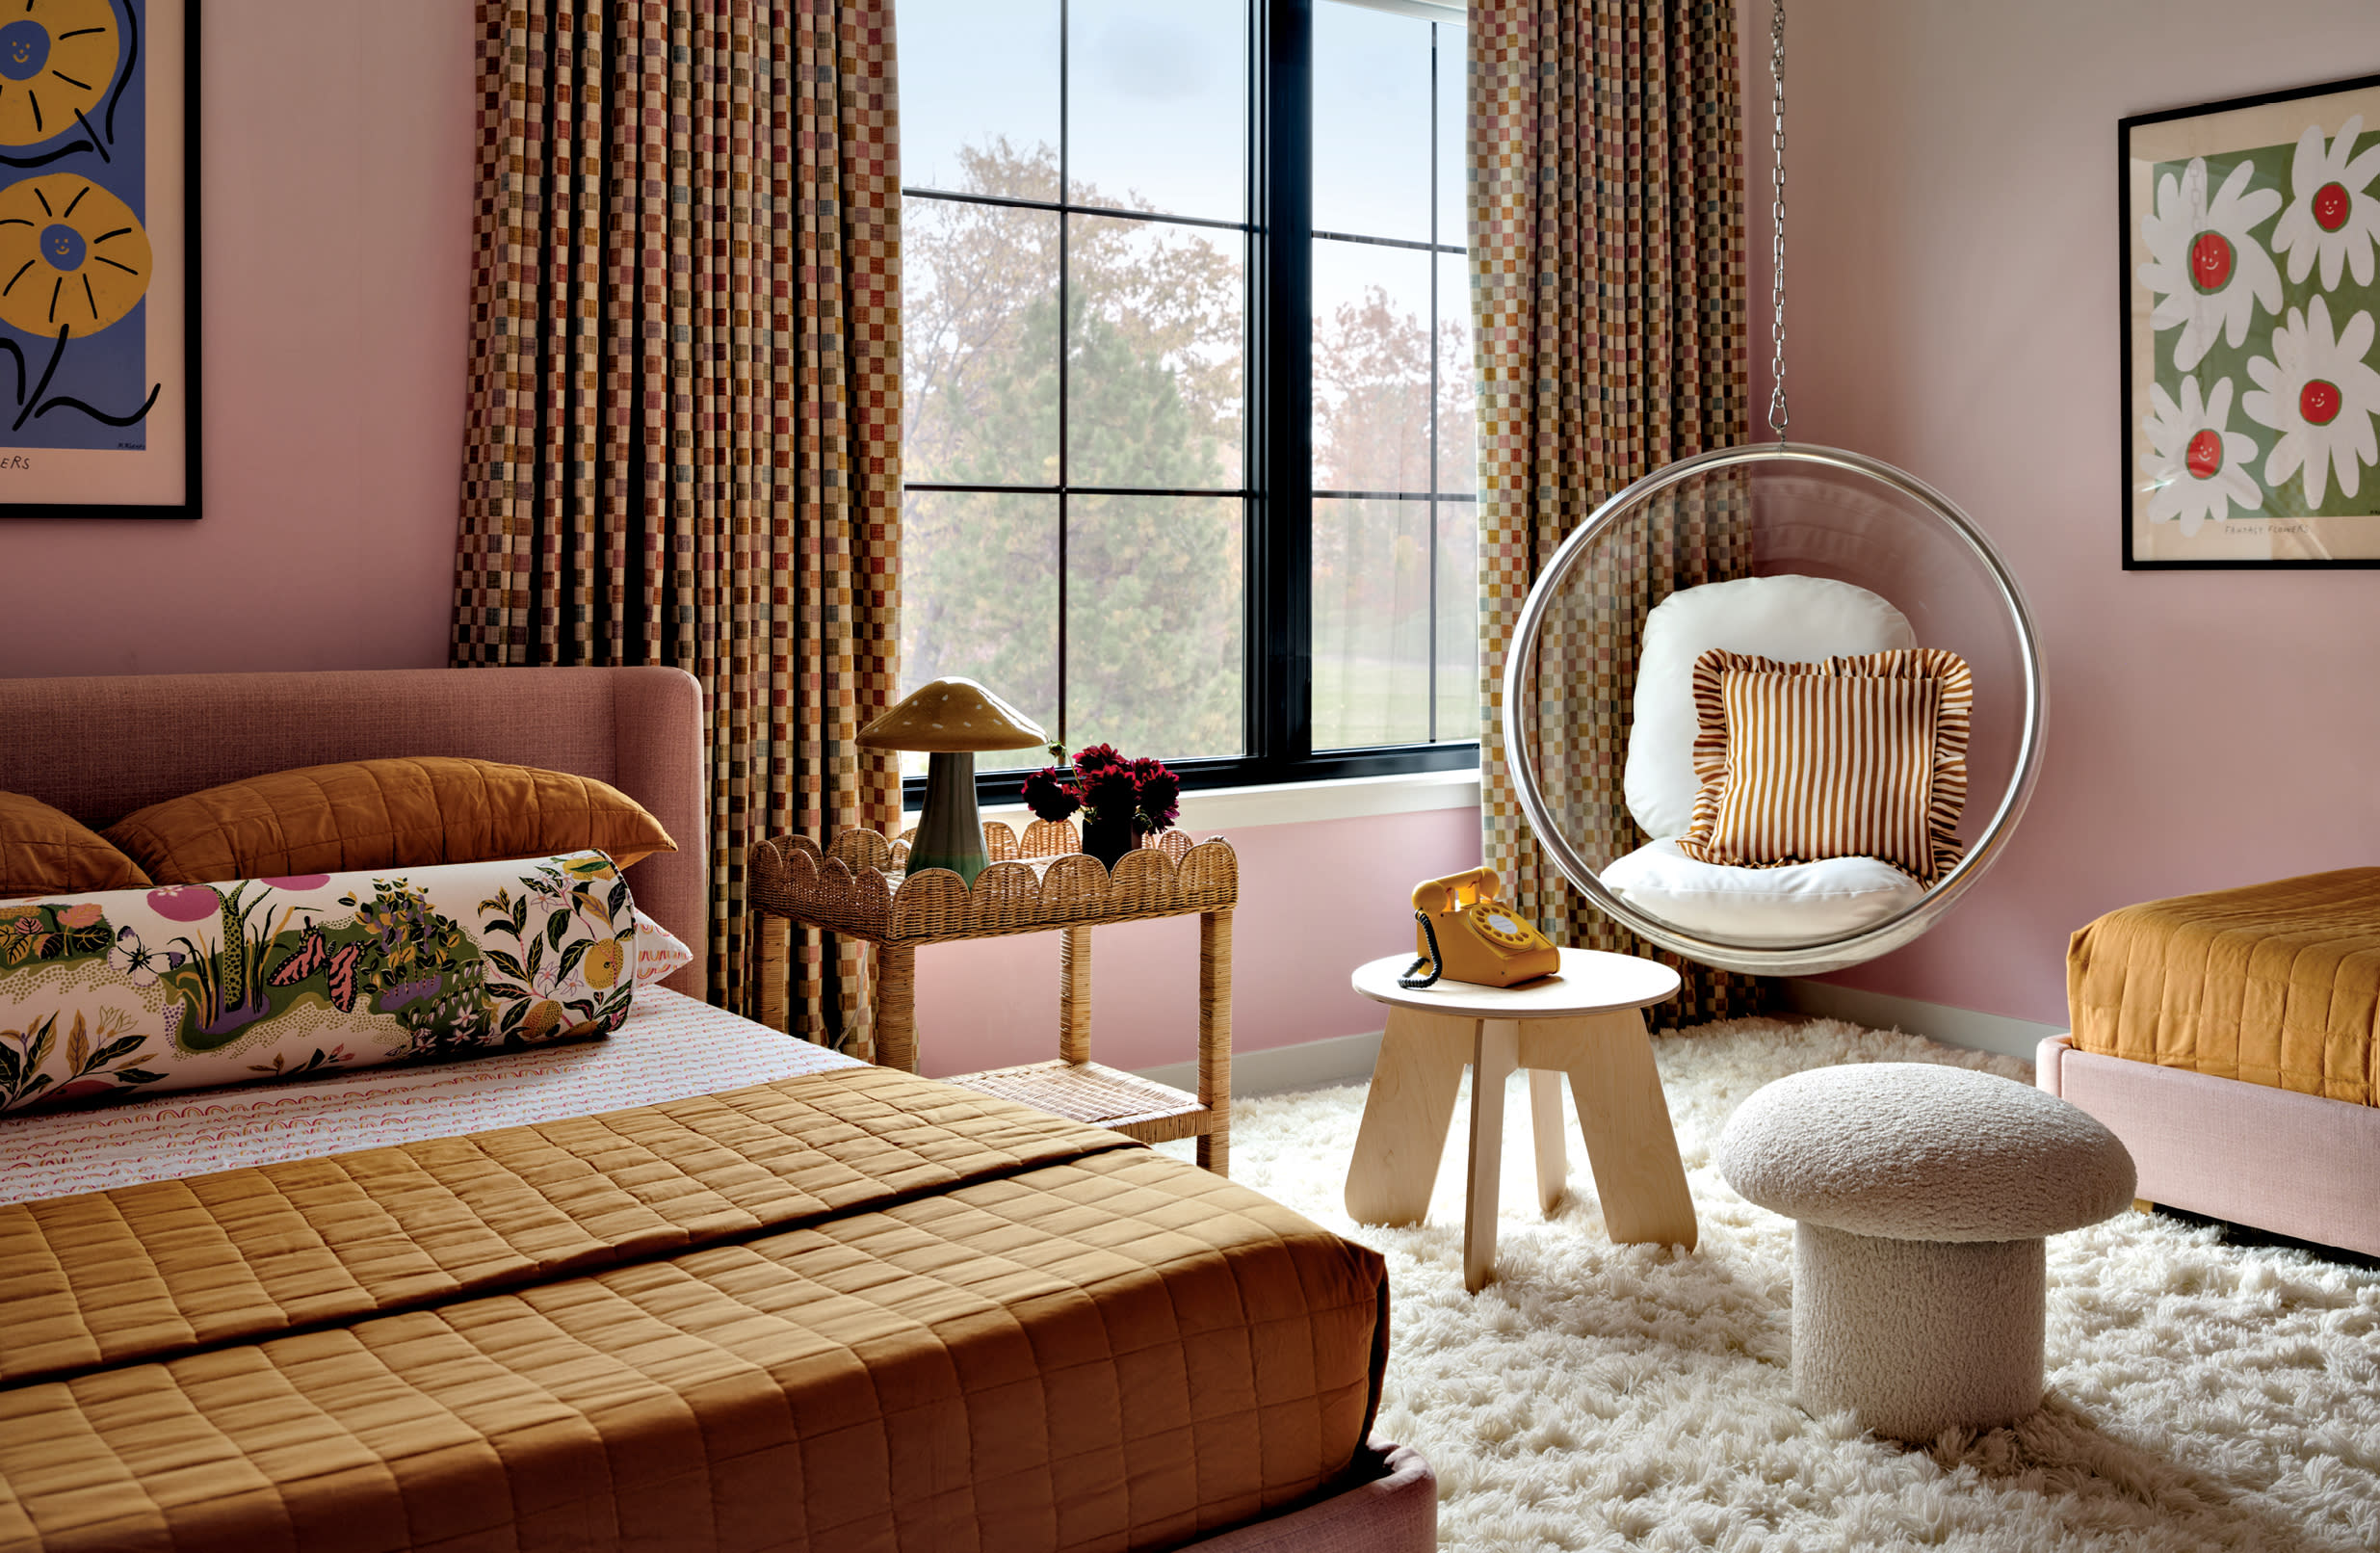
[951,720]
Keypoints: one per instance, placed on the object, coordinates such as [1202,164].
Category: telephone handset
[1461,931]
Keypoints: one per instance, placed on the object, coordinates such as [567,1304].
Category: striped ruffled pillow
[1847,757]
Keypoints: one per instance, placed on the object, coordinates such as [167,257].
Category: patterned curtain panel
[685,397]
[1608,299]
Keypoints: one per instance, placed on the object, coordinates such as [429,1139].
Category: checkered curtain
[1608,297]
[686,398]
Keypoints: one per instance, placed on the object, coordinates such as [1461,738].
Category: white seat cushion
[1791,618]
[1924,1152]
[1795,904]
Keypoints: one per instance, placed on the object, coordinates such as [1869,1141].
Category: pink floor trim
[2293,1164]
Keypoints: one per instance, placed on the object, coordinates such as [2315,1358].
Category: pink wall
[1315,901]
[1952,280]
[336,163]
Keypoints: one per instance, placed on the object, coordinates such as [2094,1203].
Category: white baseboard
[1971,1028]
[1310,1065]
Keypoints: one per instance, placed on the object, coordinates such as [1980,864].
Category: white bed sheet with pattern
[671,1046]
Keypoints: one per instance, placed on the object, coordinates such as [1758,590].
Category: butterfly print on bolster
[317,955]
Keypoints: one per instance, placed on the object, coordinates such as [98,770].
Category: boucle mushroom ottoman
[1921,1196]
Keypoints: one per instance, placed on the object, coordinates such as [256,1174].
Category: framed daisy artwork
[2251,248]
[99,259]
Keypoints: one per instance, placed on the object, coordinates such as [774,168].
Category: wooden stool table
[1584,1022]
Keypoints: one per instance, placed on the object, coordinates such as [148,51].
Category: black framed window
[1188,440]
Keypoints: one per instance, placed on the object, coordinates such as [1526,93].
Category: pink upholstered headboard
[100,748]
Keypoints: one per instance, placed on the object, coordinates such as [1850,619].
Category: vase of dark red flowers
[1121,800]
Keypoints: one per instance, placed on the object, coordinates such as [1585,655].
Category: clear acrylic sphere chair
[1762,510]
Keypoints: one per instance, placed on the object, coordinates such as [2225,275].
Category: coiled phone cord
[1412,981]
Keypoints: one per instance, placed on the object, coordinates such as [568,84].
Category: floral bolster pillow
[192,985]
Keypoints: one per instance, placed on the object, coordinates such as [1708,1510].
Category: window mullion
[1285,593]
[1065,325]
[1430,419]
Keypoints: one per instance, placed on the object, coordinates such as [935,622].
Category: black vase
[1108,840]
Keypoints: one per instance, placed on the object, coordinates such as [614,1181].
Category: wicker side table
[1037,883]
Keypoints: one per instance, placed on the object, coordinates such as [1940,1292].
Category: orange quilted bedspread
[852,1310]
[2274,984]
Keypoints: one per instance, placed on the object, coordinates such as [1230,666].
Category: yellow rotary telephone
[1461,931]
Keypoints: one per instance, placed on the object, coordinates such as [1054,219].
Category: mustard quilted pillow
[45,851]
[402,813]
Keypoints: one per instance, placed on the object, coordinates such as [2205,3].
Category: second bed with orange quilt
[2270,984]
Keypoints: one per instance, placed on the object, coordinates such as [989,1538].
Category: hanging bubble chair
[1822,554]
[1690,712]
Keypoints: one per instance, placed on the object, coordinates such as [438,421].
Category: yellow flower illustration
[56,64]
[72,255]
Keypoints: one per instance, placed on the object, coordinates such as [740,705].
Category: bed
[696,1286]
[2228,1039]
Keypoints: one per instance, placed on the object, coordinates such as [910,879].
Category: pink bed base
[2293,1164]
[1396,1511]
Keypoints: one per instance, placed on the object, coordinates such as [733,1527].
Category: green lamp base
[949,830]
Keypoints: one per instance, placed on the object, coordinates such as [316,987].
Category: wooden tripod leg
[1545,1120]
[1215,1039]
[1403,1133]
[1630,1145]
[1496,1050]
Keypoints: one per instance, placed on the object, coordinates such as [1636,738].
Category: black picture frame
[145,45]
[2293,539]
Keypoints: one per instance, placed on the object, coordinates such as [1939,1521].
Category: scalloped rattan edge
[1036,883]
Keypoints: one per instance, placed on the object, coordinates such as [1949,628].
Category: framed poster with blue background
[98,258]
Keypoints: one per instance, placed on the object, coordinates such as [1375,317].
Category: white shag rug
[1598,1396]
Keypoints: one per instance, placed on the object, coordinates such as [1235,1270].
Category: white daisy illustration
[2207,274]
[2332,214]
[2319,394]
[2195,466]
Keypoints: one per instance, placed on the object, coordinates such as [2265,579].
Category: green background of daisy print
[2223,360]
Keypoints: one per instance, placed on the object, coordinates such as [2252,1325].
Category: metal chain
[1778,420]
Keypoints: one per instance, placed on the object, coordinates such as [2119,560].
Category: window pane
[1458,398]
[979,345]
[1156,321]
[1371,123]
[979,96]
[1372,362]
[1158,112]
[1371,623]
[1154,660]
[1452,157]
[980,598]
[1459,699]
